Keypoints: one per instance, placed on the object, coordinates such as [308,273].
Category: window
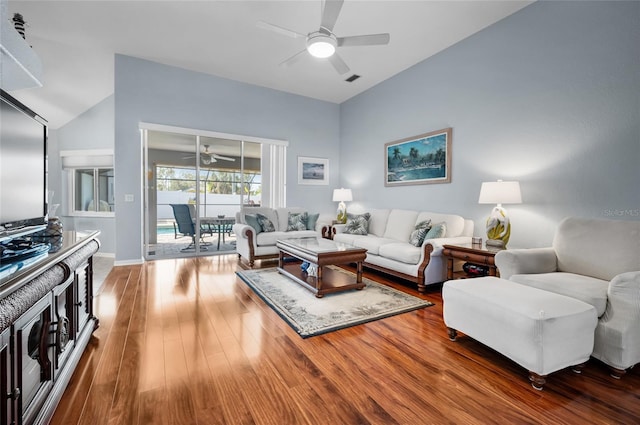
[93,190]
[90,179]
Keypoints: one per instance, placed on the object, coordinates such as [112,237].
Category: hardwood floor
[186,342]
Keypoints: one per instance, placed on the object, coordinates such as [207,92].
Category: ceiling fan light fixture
[321,45]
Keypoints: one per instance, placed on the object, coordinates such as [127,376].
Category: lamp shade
[500,192]
[342,195]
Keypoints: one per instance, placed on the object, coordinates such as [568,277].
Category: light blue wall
[150,92]
[549,96]
[94,129]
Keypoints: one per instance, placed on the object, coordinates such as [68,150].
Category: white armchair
[598,262]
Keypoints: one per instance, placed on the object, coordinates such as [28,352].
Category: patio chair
[184,221]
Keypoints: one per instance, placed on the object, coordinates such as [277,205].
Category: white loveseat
[596,261]
[253,244]
[389,249]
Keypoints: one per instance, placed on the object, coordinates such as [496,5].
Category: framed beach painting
[313,170]
[423,159]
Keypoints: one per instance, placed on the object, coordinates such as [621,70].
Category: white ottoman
[541,331]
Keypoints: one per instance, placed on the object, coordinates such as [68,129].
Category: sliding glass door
[195,185]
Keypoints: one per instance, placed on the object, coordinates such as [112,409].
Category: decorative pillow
[421,229]
[265,223]
[437,231]
[426,224]
[312,220]
[357,224]
[252,220]
[297,221]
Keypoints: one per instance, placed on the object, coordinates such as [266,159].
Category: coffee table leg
[359,272]
[280,259]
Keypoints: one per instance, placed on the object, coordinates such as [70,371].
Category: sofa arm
[617,338]
[625,289]
[526,261]
[241,230]
[438,243]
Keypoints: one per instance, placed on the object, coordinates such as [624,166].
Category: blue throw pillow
[252,220]
[312,220]
[437,231]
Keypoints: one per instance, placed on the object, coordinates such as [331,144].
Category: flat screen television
[23,168]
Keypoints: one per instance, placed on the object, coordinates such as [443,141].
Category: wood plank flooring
[187,342]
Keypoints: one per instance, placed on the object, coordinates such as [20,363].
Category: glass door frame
[268,165]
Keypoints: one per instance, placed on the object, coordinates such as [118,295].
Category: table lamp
[341,195]
[498,224]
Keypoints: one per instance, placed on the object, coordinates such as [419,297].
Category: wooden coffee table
[320,252]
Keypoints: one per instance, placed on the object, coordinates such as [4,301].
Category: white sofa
[253,245]
[596,261]
[389,250]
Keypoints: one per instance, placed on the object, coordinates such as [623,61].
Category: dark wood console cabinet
[46,321]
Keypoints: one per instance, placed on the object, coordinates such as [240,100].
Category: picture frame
[313,171]
[422,159]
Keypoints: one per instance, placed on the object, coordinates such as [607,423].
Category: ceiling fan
[323,42]
[207,157]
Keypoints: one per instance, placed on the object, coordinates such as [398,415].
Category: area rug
[310,316]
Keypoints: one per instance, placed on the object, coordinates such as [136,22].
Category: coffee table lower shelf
[331,281]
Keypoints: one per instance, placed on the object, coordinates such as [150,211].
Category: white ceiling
[77,40]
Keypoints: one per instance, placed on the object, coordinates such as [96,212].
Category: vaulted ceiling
[77,42]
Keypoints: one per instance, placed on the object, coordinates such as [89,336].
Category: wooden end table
[471,253]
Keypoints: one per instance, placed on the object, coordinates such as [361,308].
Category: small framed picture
[313,170]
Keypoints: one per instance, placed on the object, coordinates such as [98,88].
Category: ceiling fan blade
[293,59]
[330,13]
[224,158]
[279,30]
[338,64]
[364,40]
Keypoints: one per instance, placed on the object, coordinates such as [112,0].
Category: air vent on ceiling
[352,78]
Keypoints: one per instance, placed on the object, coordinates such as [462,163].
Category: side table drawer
[472,258]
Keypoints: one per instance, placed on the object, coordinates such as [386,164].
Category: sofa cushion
[265,223]
[371,243]
[400,224]
[438,230]
[265,211]
[252,220]
[297,221]
[584,288]
[270,238]
[455,223]
[357,224]
[378,222]
[402,252]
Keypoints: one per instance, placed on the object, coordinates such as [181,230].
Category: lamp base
[342,213]
[496,243]
[498,228]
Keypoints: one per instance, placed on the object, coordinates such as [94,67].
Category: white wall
[94,129]
[549,96]
[150,92]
